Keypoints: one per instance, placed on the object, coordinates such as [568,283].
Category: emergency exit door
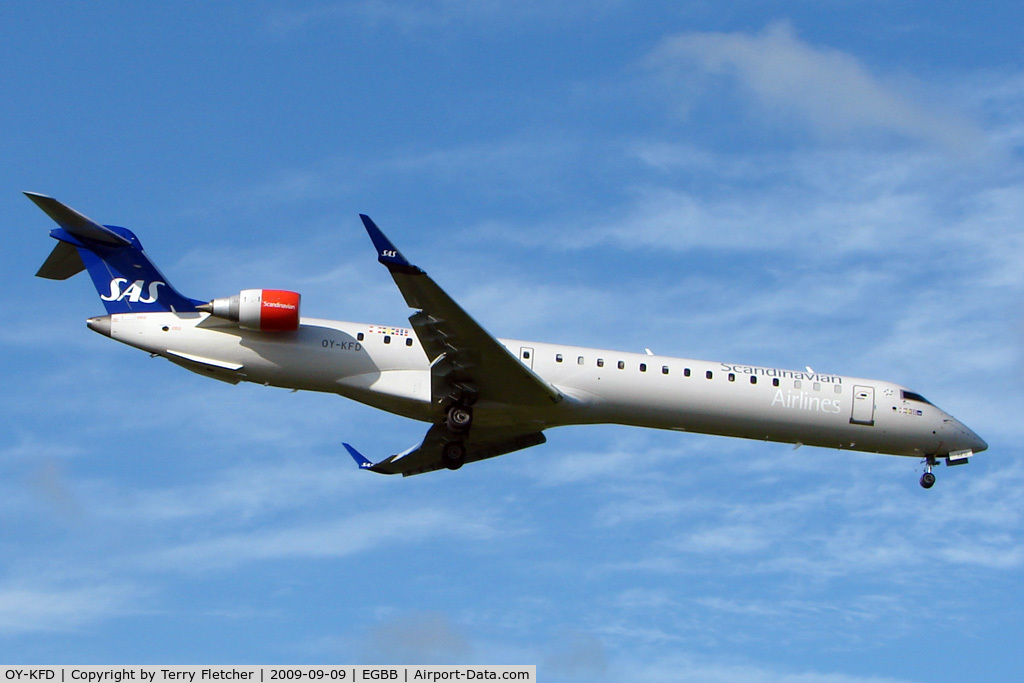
[863,406]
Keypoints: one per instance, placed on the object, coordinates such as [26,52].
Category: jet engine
[269,310]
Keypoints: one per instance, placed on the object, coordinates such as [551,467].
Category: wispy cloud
[28,608]
[861,538]
[322,539]
[829,89]
[418,15]
[240,494]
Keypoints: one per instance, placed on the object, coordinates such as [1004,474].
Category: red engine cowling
[268,310]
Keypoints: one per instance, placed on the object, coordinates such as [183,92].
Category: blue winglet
[387,252]
[360,459]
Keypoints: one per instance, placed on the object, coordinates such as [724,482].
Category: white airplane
[481,395]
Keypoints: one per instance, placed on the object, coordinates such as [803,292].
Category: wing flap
[428,455]
[208,367]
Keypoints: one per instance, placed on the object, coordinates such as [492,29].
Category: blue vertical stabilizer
[126,280]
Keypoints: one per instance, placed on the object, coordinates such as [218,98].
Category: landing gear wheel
[459,419]
[928,479]
[453,455]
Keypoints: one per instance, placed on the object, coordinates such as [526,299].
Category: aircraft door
[863,406]
[526,355]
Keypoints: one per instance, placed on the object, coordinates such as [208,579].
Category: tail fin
[127,281]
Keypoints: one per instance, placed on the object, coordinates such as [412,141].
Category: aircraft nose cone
[100,324]
[969,439]
[977,443]
[963,438]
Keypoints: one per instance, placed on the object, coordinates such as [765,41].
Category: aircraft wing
[481,444]
[466,361]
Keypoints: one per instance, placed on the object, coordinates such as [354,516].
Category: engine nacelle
[268,310]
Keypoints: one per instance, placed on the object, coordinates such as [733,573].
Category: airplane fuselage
[387,368]
[482,396]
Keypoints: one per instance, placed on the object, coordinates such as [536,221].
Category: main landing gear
[928,479]
[458,420]
[453,455]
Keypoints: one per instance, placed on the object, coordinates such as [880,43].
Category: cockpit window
[911,396]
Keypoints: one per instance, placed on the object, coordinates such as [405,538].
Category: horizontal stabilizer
[74,222]
[63,262]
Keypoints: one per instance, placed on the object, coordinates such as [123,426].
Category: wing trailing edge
[429,455]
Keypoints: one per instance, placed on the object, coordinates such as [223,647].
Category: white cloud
[27,608]
[730,538]
[322,539]
[776,219]
[577,467]
[825,87]
[240,493]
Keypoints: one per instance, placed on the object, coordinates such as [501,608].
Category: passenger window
[797,384]
[817,386]
[732,377]
[753,379]
[775,381]
[838,388]
[622,365]
[600,362]
[709,374]
[359,337]
[580,360]
[408,341]
[526,355]
[387,338]
[643,367]
[686,372]
[664,369]
[558,358]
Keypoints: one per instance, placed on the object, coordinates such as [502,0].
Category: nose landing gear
[928,479]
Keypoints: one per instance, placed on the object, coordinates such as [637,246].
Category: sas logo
[134,291]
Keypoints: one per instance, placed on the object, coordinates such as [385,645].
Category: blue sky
[832,184]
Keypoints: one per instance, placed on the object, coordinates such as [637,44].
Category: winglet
[364,462]
[361,460]
[387,252]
